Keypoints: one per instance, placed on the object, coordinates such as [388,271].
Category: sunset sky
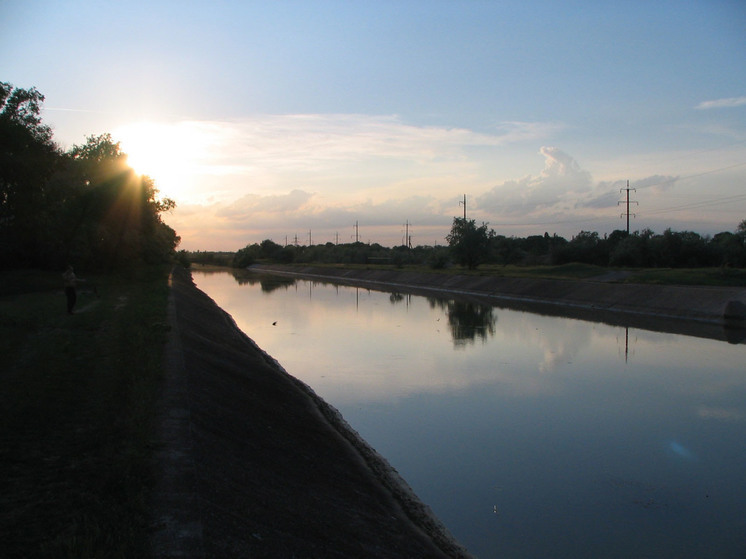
[275,119]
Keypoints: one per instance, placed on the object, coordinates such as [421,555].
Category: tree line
[84,206]
[471,245]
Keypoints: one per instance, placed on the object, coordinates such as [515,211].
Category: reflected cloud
[720,414]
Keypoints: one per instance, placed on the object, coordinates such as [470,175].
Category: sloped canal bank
[712,312]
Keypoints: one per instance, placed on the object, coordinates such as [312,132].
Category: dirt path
[253,464]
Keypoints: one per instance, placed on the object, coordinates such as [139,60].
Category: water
[527,435]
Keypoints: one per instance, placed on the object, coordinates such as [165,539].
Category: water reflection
[468,320]
[580,449]
[268,283]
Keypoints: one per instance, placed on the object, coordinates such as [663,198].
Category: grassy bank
[712,277]
[75,412]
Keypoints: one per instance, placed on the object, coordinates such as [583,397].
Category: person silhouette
[71,293]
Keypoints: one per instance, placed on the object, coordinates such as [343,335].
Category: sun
[165,152]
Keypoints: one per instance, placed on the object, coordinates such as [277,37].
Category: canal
[527,435]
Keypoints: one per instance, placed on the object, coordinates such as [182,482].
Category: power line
[701,204]
[686,177]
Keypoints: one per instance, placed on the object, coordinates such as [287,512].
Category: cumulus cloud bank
[562,192]
[561,183]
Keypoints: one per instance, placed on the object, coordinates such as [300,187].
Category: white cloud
[726,103]
[560,183]
[313,141]
[657,183]
[251,205]
[565,197]
[607,194]
[337,155]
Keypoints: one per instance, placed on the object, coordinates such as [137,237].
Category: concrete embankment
[252,463]
[718,312]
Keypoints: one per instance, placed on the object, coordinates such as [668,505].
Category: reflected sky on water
[528,435]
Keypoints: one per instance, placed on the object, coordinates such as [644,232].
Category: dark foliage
[86,206]
[471,246]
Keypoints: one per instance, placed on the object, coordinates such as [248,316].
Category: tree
[269,249]
[28,158]
[469,243]
[118,212]
[86,205]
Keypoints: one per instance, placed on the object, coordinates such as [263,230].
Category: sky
[316,121]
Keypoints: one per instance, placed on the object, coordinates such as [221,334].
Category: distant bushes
[471,246]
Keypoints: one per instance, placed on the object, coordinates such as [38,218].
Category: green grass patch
[713,277]
[76,412]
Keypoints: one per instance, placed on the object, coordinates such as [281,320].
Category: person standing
[71,282]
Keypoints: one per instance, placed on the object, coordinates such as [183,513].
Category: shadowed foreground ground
[253,464]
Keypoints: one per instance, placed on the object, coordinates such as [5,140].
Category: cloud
[608,194]
[249,206]
[564,194]
[340,156]
[280,176]
[298,211]
[720,414]
[273,175]
[658,183]
[314,141]
[560,183]
[726,103]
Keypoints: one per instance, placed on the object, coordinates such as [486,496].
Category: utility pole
[357,233]
[628,203]
[310,244]
[463,204]
[407,239]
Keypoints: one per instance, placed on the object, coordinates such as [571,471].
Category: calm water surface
[528,435]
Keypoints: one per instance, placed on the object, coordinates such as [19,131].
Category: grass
[714,277]
[76,412]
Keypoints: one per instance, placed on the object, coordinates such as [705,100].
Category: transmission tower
[628,202]
[407,238]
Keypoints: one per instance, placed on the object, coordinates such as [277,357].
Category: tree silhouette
[86,206]
[469,243]
[28,158]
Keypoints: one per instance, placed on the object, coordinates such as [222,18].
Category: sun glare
[165,152]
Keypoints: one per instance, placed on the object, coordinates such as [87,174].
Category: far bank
[712,312]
